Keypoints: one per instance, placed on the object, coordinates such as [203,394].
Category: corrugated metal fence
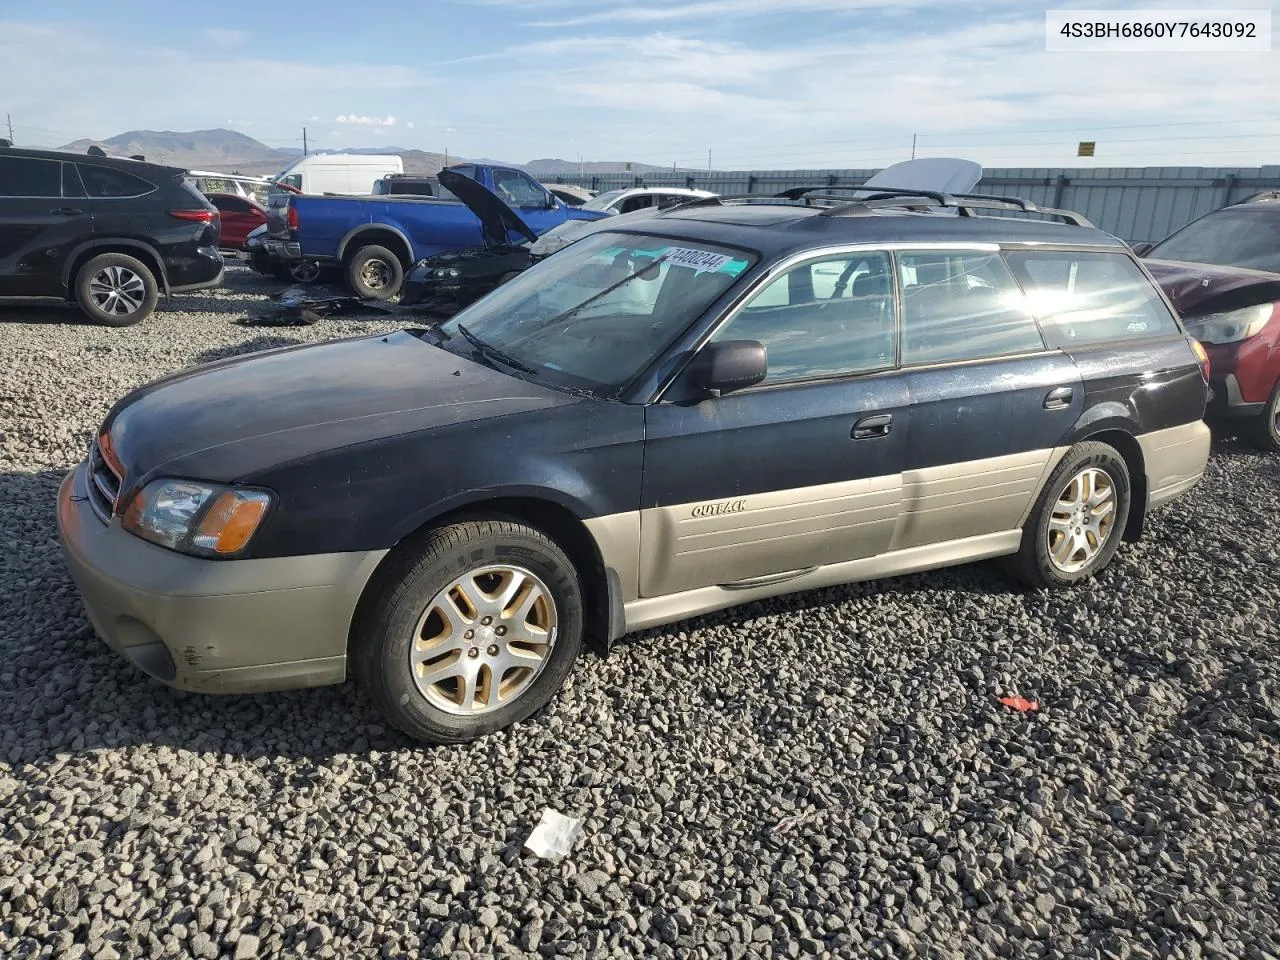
[1134,203]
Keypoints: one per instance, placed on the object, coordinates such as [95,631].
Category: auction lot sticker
[1157,31]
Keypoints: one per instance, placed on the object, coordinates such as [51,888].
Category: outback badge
[716,509]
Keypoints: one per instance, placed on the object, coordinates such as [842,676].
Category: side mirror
[729,365]
[552,200]
[1142,248]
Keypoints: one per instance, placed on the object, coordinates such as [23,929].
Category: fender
[467,498]
[1109,415]
[115,242]
[365,228]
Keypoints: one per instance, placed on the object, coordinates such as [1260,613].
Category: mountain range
[228,151]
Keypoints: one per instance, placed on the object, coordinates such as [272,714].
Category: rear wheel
[1265,430]
[1078,521]
[116,290]
[374,273]
[471,632]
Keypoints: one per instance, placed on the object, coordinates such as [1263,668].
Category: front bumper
[213,626]
[1226,400]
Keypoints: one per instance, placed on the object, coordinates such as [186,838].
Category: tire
[1034,564]
[116,290]
[405,602]
[1264,430]
[374,273]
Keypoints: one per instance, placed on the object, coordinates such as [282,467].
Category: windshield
[601,201]
[595,315]
[1234,237]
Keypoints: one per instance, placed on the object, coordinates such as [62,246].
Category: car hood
[1196,289]
[498,220]
[225,421]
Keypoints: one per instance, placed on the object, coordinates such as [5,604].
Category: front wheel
[1078,521]
[473,631]
[374,273]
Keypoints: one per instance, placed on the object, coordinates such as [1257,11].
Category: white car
[632,199]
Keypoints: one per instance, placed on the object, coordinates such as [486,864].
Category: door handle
[869,427]
[67,212]
[1059,399]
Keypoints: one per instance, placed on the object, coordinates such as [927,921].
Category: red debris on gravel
[1020,704]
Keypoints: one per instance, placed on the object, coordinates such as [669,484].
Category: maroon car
[1216,272]
[239,216]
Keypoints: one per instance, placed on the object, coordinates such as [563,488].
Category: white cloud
[409,124]
[222,37]
[361,121]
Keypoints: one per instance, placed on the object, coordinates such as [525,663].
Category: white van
[352,174]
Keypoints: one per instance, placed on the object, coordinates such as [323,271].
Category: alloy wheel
[117,291]
[1082,520]
[483,640]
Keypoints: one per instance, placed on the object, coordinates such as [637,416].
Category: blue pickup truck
[375,240]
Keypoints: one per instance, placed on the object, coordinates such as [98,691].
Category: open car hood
[1196,289]
[501,224]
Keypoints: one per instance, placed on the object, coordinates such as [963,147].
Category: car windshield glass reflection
[595,315]
[1232,238]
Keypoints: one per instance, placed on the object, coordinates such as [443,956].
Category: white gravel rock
[1133,815]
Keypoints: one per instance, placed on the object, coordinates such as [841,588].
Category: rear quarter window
[107,183]
[1083,298]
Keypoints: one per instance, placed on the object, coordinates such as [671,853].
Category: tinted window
[822,319]
[106,182]
[962,306]
[71,186]
[28,177]
[1085,298]
[231,204]
[1246,236]
[601,309]
[518,189]
[666,200]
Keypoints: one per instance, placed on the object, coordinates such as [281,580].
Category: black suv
[723,402]
[107,233]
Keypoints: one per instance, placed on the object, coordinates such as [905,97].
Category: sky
[742,84]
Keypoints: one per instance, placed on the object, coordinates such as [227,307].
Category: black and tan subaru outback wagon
[730,400]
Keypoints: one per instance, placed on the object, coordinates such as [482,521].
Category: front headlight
[203,519]
[1231,326]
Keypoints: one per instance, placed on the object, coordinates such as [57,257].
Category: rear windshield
[597,313]
[1234,237]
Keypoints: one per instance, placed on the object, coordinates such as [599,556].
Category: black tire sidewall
[90,309]
[363,256]
[1090,454]
[385,661]
[1268,437]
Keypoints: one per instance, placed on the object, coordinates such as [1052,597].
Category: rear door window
[1083,298]
[962,306]
[30,177]
[107,183]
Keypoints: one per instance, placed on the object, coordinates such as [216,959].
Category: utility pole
[708,159]
[9,119]
[304,141]
[446,156]
[913,145]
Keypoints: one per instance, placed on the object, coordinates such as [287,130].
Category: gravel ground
[823,775]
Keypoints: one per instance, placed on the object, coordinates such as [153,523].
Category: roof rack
[963,203]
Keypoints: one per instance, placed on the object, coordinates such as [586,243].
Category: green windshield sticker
[734,267]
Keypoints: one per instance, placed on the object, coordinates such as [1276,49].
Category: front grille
[104,485]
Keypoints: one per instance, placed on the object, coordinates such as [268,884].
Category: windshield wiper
[493,355]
